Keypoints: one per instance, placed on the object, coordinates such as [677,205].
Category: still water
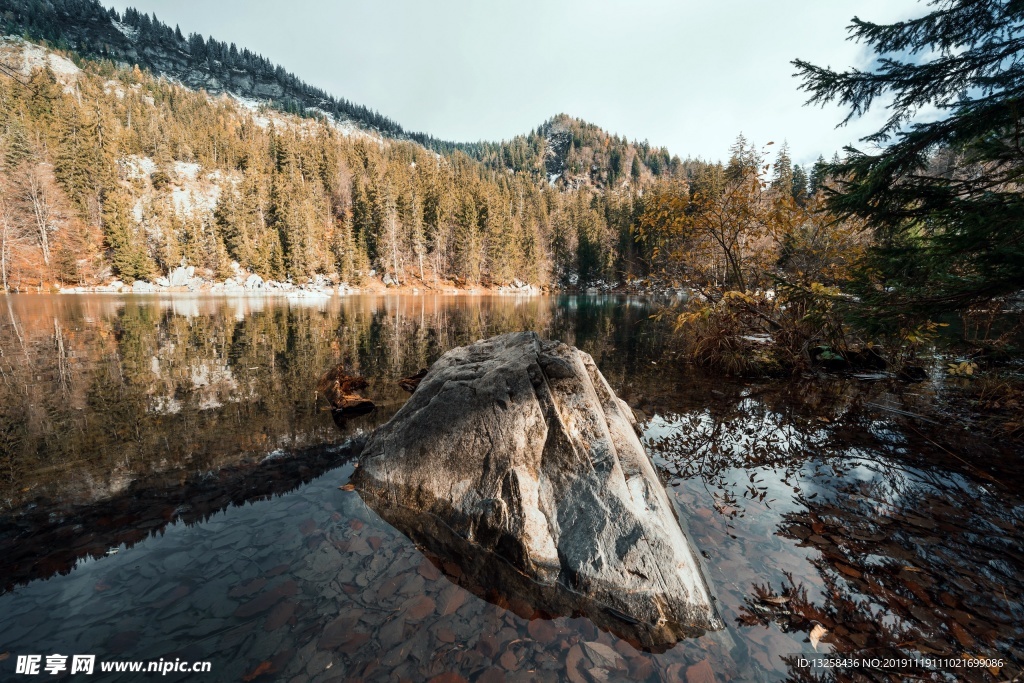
[169,489]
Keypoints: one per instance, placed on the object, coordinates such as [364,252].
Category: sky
[686,75]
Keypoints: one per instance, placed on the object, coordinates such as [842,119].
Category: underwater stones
[515,461]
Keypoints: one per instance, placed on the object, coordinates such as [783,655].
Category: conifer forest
[290,391]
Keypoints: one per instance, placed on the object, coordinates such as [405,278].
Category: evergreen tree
[817,176]
[799,183]
[782,176]
[80,163]
[742,158]
[125,238]
[467,239]
[942,240]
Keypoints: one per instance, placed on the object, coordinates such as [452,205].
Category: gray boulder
[179,277]
[515,461]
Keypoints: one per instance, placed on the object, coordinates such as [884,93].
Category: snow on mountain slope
[23,57]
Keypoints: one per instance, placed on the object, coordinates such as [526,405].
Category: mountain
[91,30]
[563,148]
[211,157]
[573,153]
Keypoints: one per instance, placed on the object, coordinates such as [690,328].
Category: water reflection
[811,505]
[97,391]
[112,400]
[882,538]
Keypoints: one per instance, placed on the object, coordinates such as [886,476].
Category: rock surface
[515,461]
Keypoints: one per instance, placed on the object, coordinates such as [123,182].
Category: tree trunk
[394,245]
[41,213]
[3,247]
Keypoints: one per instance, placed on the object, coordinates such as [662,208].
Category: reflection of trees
[118,388]
[910,567]
[35,544]
[747,431]
[112,410]
[913,559]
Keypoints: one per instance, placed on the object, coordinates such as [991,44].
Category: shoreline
[327,290]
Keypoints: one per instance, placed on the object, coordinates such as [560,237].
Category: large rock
[515,460]
[179,277]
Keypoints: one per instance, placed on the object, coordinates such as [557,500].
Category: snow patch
[187,170]
[264,117]
[129,32]
[136,167]
[113,86]
[14,50]
[189,200]
[247,102]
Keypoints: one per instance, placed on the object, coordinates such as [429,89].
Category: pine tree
[125,238]
[742,158]
[467,239]
[636,169]
[799,183]
[942,241]
[782,177]
[17,144]
[817,176]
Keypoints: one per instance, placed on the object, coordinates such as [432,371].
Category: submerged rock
[515,460]
[340,390]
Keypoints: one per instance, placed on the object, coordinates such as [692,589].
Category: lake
[170,491]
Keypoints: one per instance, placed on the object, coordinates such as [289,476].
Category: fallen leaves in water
[347,487]
[775,600]
[263,668]
[849,571]
[817,633]
[450,677]
[961,634]
[700,673]
[418,608]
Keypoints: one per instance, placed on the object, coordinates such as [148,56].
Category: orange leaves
[261,669]
[817,633]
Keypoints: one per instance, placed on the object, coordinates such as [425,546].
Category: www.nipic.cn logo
[86,664]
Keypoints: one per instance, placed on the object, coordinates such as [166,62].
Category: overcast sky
[684,74]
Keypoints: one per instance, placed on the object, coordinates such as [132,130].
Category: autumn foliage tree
[765,264]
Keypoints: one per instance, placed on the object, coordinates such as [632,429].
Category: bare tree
[39,197]
[6,235]
[12,237]
[392,231]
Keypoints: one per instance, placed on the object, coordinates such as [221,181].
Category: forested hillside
[234,166]
[91,30]
[109,171]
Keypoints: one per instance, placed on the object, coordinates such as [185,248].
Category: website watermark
[42,665]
